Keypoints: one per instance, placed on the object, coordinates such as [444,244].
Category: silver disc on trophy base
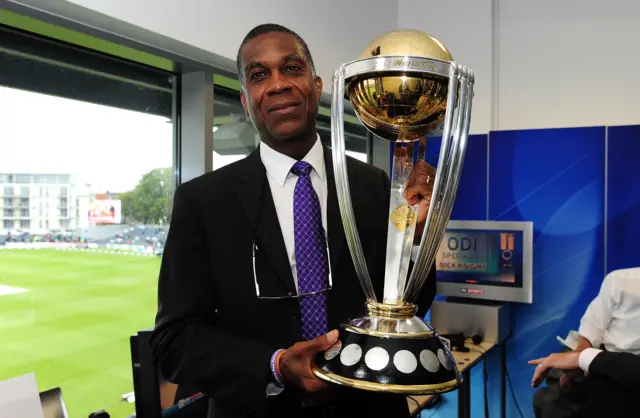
[404,87]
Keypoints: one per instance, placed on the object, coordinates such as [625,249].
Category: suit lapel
[256,200]
[334,220]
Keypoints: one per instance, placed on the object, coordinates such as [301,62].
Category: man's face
[280,92]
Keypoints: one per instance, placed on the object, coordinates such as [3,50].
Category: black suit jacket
[213,334]
[613,385]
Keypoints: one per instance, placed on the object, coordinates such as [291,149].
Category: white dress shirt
[586,357]
[283,182]
[612,319]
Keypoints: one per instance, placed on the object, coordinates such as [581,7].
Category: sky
[107,147]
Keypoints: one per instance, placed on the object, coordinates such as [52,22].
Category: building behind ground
[39,203]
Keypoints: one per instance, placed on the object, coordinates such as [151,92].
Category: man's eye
[257,75]
[293,68]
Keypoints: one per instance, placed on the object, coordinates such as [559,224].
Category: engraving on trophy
[403,217]
[406,64]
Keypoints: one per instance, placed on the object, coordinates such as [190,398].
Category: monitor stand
[488,319]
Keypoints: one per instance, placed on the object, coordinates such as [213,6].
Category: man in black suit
[231,297]
[611,386]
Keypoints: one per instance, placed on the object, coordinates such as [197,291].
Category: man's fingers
[423,179]
[536,361]
[314,384]
[323,342]
[417,191]
[537,374]
[564,380]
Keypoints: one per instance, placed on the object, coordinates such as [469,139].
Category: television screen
[479,258]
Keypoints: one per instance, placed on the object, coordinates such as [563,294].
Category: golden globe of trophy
[404,87]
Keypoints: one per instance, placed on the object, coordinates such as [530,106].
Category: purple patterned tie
[311,254]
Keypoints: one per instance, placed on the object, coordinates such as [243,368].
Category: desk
[466,361]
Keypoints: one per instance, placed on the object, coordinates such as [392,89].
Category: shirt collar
[279,166]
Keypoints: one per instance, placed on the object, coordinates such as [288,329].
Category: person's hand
[559,361]
[295,363]
[418,190]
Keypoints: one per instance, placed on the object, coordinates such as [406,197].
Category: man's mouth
[284,107]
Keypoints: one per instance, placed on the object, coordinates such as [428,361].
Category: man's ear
[318,83]
[243,100]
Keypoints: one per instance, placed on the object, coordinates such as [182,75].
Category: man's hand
[583,344]
[559,361]
[419,189]
[295,363]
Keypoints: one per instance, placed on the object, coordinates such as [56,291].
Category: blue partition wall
[567,182]
[581,189]
[471,201]
[556,179]
[623,197]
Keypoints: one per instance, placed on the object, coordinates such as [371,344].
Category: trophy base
[389,350]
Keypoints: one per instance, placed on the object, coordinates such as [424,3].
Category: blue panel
[554,178]
[471,200]
[623,197]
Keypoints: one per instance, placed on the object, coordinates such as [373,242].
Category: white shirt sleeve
[596,319]
[586,357]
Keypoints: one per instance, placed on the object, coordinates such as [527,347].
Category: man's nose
[278,84]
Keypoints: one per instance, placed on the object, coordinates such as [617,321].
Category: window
[23,179]
[103,138]
[8,201]
[356,136]
[24,202]
[234,136]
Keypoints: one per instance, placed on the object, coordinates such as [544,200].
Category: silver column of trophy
[404,87]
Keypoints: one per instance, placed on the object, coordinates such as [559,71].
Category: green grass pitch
[72,325]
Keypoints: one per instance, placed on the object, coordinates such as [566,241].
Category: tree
[150,201]
[128,201]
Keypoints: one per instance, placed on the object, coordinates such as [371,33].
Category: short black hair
[270,28]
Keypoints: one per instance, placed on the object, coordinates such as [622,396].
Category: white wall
[464,26]
[558,63]
[335,30]
[569,63]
